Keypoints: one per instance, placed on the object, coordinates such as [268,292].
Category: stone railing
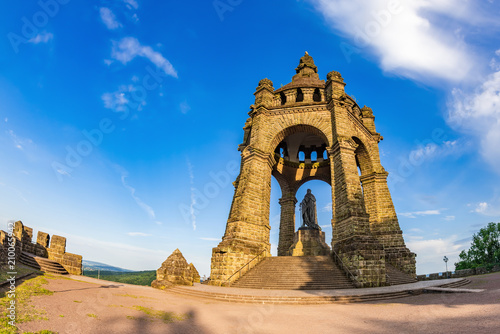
[458,273]
[245,268]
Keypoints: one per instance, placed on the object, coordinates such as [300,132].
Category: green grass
[24,310]
[137,278]
[131,296]
[21,270]
[92,315]
[166,317]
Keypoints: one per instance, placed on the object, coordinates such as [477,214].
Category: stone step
[396,277]
[234,298]
[295,273]
[42,264]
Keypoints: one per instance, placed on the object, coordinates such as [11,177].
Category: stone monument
[309,240]
[311,129]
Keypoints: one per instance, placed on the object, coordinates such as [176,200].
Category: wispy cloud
[184,106]
[327,207]
[419,213]
[43,37]
[129,48]
[19,142]
[193,195]
[449,218]
[138,234]
[109,18]
[120,100]
[149,210]
[132,3]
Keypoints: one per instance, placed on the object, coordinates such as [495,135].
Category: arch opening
[282,98]
[317,95]
[300,96]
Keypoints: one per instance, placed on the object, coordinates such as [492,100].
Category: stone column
[247,229]
[287,223]
[384,222]
[360,252]
[291,96]
[308,94]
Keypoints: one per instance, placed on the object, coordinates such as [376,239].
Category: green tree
[484,250]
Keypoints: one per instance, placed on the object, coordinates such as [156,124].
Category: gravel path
[108,307]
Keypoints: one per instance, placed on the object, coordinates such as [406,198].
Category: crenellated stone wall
[23,236]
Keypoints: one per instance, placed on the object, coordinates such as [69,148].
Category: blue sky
[120,120]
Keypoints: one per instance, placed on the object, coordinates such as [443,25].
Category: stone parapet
[23,236]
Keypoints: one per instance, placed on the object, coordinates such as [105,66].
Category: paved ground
[107,307]
[318,293]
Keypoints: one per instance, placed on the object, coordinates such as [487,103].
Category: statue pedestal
[309,242]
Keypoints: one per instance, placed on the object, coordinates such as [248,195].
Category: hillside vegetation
[136,277]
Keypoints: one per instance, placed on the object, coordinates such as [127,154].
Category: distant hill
[94,266]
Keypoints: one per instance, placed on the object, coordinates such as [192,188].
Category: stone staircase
[295,273]
[396,277]
[42,264]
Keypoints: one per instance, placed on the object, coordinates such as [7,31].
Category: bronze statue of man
[308,208]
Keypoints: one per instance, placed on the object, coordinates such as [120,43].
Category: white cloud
[132,3]
[478,113]
[488,209]
[109,18]
[138,234]
[43,37]
[449,218]
[481,207]
[123,99]
[128,48]
[419,213]
[430,252]
[407,38]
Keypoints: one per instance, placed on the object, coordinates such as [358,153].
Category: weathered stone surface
[481,271]
[463,273]
[309,242]
[335,136]
[196,275]
[175,270]
[57,251]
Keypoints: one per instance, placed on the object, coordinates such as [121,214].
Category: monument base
[309,242]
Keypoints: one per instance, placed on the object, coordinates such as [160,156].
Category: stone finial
[265,82]
[306,65]
[366,111]
[334,76]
